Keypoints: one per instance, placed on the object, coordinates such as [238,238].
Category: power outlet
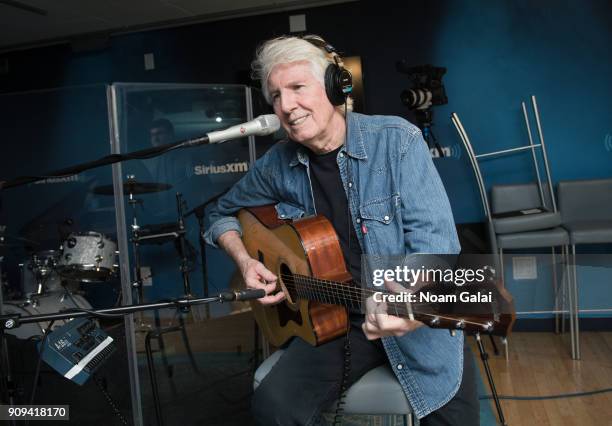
[524,268]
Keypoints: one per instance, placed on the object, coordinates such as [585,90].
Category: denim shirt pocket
[287,211]
[379,219]
[380,210]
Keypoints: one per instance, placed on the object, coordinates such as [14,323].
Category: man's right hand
[256,275]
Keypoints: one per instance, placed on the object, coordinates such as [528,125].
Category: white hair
[288,49]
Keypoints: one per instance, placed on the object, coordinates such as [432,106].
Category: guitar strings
[323,288]
[438,316]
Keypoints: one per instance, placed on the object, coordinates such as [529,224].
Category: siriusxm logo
[448,151]
[65,179]
[238,167]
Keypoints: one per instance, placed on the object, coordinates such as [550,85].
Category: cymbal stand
[159,331]
[200,213]
[183,246]
[138,281]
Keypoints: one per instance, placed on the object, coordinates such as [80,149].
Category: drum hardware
[158,233]
[130,187]
[183,246]
[38,274]
[42,304]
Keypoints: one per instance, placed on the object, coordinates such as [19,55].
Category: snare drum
[44,304]
[88,257]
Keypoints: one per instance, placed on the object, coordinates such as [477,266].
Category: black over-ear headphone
[338,80]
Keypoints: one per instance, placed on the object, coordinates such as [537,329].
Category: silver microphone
[260,126]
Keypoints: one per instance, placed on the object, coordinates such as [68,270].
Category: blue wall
[497,54]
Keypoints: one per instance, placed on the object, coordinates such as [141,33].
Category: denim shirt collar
[354,148]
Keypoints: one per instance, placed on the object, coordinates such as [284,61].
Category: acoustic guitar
[306,257]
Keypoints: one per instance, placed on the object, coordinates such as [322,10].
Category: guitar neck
[354,297]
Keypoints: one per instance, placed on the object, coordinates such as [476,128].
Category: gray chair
[377,393]
[586,212]
[522,220]
[521,216]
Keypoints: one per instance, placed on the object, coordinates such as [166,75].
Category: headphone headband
[338,80]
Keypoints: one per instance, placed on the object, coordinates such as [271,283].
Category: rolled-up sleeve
[256,188]
[428,221]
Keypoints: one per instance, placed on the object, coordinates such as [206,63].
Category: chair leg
[410,420]
[505,343]
[504,340]
[555,288]
[570,300]
[576,303]
[501,267]
[564,284]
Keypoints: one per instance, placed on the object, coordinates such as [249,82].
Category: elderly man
[373,178]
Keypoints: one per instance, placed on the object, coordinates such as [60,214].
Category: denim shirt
[396,196]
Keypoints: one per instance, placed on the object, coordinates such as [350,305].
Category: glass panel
[59,242]
[196,348]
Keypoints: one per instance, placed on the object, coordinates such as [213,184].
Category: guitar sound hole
[289,281]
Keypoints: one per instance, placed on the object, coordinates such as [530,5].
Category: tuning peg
[435,321]
[460,324]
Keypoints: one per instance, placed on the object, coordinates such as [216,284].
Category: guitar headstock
[483,308]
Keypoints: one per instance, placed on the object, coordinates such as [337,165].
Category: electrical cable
[37,372]
[346,367]
[109,399]
[546,397]
[346,371]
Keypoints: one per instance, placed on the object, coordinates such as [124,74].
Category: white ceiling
[66,19]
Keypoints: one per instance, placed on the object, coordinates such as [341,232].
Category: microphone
[248,294]
[261,126]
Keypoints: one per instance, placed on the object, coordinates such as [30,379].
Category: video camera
[427,87]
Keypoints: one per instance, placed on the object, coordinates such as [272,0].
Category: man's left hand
[378,323]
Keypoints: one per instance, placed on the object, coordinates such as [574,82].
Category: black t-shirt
[330,201]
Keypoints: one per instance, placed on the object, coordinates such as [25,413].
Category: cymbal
[12,241]
[133,187]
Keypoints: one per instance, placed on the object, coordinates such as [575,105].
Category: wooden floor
[540,364]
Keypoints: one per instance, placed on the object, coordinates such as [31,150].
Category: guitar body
[308,247]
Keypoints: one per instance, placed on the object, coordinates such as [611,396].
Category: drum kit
[50,279]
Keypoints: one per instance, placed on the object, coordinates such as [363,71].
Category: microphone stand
[105,161]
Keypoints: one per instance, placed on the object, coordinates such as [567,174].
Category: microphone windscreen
[269,124]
